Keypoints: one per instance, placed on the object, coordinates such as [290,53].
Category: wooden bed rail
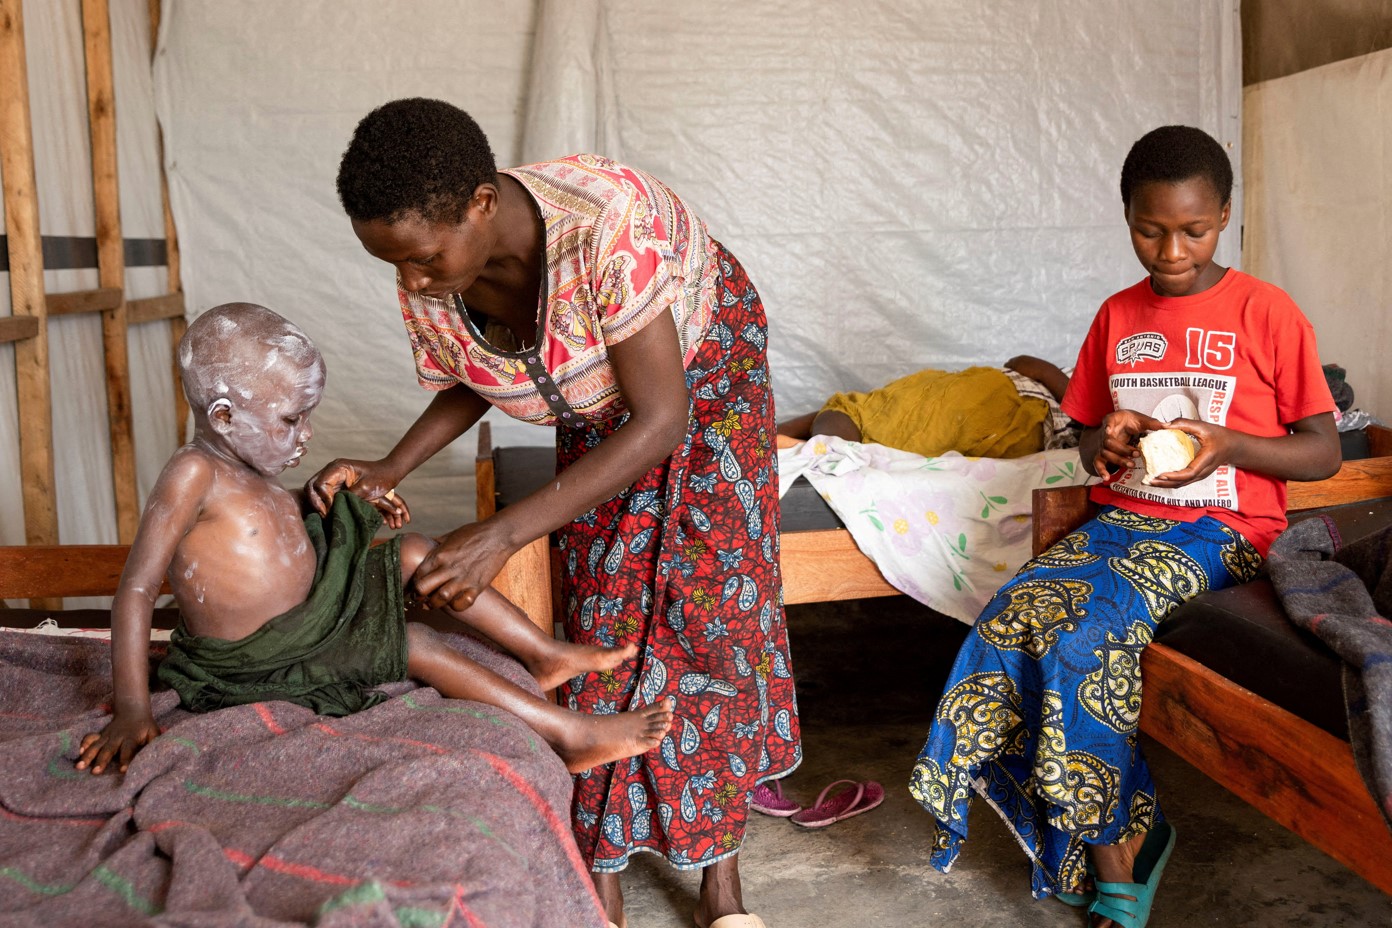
[53,571]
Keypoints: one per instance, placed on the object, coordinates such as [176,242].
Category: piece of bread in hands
[1165,451]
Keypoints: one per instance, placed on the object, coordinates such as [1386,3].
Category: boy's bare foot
[568,659]
[590,740]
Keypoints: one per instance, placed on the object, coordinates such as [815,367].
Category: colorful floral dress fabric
[685,562]
[1040,711]
[621,248]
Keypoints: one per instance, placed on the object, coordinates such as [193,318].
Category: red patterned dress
[685,561]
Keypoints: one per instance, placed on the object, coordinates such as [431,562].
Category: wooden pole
[111,261]
[178,324]
[35,398]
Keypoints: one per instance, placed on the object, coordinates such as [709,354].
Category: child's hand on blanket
[120,739]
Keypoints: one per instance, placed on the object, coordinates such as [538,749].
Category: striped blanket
[1343,594]
[420,811]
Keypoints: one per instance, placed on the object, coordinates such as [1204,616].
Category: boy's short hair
[228,346]
[1172,154]
[414,156]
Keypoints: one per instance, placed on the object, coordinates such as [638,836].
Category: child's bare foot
[590,740]
[568,659]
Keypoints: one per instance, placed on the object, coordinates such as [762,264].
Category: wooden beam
[1379,441]
[35,400]
[1369,478]
[177,325]
[1056,512]
[18,328]
[526,580]
[485,475]
[155,308]
[1297,774]
[103,299]
[111,261]
[55,571]
[823,565]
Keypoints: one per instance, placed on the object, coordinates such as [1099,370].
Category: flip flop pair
[1150,863]
[834,805]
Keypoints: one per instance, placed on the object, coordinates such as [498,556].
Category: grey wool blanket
[1343,594]
[419,811]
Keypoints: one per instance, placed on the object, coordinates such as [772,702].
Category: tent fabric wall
[258,99]
[932,184]
[62,163]
[1319,208]
[922,185]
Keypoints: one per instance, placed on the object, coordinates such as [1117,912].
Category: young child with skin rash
[242,560]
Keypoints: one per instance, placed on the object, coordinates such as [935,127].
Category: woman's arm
[450,414]
[652,380]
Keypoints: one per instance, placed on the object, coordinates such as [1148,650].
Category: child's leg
[549,660]
[583,741]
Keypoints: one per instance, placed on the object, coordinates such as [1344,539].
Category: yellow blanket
[976,412]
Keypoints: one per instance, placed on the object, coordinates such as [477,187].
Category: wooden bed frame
[1290,770]
[46,573]
[821,565]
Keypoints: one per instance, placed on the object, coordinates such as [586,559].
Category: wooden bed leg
[485,478]
[526,580]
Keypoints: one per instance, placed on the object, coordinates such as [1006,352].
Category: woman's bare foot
[1115,863]
[721,893]
[586,741]
[568,659]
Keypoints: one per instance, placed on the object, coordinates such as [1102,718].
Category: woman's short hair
[1172,154]
[414,156]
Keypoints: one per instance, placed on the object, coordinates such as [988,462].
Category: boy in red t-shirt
[1040,711]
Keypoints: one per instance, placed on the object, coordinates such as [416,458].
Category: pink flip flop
[768,798]
[828,810]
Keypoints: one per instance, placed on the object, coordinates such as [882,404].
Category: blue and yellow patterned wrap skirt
[1040,712]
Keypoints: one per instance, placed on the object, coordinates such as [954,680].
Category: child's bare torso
[246,559]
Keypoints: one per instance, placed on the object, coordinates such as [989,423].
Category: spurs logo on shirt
[1145,346]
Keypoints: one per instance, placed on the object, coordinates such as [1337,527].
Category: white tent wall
[258,99]
[930,184]
[1319,219]
[62,164]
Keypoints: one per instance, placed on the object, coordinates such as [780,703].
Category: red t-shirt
[1240,354]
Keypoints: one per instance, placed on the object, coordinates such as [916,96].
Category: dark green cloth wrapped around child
[328,653]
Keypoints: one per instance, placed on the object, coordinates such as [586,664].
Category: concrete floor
[869,674]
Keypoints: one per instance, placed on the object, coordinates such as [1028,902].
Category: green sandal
[1150,863]
[1078,900]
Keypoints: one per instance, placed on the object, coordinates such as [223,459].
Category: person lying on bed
[981,412]
[279,605]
